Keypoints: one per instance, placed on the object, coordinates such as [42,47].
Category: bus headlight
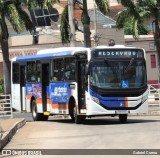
[95,99]
[144,98]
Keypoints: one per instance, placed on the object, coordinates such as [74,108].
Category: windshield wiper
[113,70]
[129,65]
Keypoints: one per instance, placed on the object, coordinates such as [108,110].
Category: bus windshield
[117,74]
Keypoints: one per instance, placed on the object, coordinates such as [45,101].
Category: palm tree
[20,21]
[34,4]
[137,13]
[103,6]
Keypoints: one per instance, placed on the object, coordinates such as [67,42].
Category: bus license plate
[121,111]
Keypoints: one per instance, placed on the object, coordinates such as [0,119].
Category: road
[140,132]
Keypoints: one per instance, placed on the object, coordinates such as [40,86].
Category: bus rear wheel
[123,118]
[35,115]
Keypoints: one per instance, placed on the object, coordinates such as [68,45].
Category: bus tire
[43,117]
[35,115]
[79,118]
[73,113]
[123,118]
[71,109]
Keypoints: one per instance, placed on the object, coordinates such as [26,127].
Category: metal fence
[154,98]
[5,106]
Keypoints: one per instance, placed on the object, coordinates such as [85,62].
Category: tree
[128,28]
[11,10]
[138,12]
[103,6]
[34,4]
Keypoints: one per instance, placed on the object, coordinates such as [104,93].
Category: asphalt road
[140,132]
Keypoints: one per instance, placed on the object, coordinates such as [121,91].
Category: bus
[81,82]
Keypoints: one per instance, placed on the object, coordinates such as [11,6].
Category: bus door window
[70,69]
[81,79]
[31,71]
[38,71]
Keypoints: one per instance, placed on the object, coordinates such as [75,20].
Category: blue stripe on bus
[111,102]
[40,56]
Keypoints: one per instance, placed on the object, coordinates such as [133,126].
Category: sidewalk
[8,127]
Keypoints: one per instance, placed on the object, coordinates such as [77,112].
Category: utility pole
[71,23]
[95,25]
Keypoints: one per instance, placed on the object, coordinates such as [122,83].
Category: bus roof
[63,51]
[52,52]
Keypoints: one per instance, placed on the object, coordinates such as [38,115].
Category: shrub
[1,86]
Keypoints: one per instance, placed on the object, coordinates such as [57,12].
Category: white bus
[81,82]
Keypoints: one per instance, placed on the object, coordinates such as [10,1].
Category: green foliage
[1,86]
[40,3]
[64,28]
[103,6]
[132,18]
[15,18]
[129,28]
[18,18]
[85,17]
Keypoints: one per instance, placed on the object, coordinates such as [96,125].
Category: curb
[7,136]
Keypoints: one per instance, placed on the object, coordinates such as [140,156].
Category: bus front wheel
[75,117]
[35,115]
[123,118]
[79,118]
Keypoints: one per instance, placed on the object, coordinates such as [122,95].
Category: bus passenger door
[23,87]
[45,83]
[81,80]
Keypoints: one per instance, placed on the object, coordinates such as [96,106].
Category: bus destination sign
[121,53]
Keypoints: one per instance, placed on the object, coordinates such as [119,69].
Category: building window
[151,46]
[153,61]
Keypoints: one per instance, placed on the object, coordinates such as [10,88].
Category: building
[147,42]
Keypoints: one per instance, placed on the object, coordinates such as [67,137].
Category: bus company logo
[59,90]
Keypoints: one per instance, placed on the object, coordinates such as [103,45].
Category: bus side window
[15,73]
[31,71]
[70,68]
[58,70]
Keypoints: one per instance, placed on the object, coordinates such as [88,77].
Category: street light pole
[71,23]
[95,25]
